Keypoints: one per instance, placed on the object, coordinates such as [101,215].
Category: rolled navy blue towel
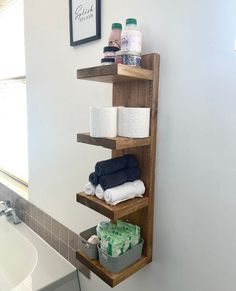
[132,162]
[94,179]
[119,178]
[111,166]
[132,174]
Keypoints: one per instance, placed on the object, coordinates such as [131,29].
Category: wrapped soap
[94,239]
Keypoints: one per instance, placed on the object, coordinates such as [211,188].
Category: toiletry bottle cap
[110,49]
[131,21]
[107,60]
[116,26]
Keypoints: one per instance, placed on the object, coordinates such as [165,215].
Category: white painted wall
[195,219]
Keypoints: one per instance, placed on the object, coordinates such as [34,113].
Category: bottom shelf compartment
[112,279]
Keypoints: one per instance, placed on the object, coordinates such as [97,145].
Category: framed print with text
[85,21]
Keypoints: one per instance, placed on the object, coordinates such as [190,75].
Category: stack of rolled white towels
[116,180]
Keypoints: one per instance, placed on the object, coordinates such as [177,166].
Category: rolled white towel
[89,189]
[124,192]
[99,192]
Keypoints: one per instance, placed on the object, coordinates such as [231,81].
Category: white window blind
[12,49]
[13,108]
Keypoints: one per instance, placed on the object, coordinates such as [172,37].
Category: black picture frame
[97,14]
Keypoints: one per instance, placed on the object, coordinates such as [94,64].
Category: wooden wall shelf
[132,87]
[114,73]
[113,212]
[112,279]
[116,143]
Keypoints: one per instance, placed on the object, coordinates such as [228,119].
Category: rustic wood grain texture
[113,212]
[131,90]
[143,94]
[114,73]
[111,279]
[113,142]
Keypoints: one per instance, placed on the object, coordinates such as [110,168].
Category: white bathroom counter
[50,271]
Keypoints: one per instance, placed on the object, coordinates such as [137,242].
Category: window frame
[2,170]
[5,5]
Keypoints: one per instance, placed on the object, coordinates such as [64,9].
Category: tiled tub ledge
[59,237]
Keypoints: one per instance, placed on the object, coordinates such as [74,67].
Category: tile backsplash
[59,237]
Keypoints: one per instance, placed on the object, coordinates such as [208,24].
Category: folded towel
[111,166]
[132,162]
[89,189]
[99,192]
[132,174]
[124,192]
[94,179]
[118,178]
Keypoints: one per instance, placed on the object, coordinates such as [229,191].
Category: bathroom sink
[18,257]
[27,263]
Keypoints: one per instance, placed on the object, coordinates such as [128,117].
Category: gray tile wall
[62,239]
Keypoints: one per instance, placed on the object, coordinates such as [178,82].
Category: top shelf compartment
[115,74]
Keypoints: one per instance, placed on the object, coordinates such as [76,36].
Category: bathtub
[27,263]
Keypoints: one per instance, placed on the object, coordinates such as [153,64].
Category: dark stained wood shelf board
[116,143]
[114,73]
[113,212]
[112,279]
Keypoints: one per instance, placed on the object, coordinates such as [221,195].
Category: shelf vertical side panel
[143,94]
[153,64]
